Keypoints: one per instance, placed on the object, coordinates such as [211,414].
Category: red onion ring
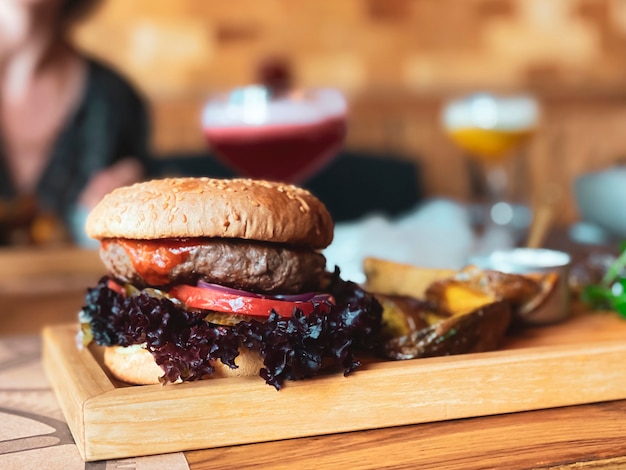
[228,290]
[305,297]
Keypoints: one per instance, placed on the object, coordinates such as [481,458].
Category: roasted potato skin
[472,287]
[483,329]
[403,314]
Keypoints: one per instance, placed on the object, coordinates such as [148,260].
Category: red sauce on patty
[154,259]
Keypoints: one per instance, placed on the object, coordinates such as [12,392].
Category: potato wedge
[516,288]
[389,277]
[402,315]
[457,297]
[472,287]
[480,330]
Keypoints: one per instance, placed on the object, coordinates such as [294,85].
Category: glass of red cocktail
[286,136]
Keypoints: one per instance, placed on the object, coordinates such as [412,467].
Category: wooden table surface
[47,286]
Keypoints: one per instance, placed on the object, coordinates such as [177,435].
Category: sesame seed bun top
[214,208]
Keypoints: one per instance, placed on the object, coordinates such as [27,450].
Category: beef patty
[256,267]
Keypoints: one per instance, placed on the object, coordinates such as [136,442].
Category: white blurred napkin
[436,234]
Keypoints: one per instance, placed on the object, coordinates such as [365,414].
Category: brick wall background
[397,60]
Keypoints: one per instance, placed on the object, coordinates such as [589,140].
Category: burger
[214,278]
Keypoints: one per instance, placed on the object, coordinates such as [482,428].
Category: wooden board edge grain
[75,377]
[132,421]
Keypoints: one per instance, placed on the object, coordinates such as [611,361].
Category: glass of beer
[491,129]
[281,136]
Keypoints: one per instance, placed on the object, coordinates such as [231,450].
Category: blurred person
[71,128]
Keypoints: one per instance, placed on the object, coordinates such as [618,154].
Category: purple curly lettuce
[185,345]
[181,342]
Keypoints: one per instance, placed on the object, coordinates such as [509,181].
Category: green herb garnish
[610,293]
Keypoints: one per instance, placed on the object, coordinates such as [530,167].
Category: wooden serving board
[579,361]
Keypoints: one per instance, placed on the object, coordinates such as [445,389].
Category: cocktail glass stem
[498,210]
[497,183]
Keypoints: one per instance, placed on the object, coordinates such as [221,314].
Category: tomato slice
[256,306]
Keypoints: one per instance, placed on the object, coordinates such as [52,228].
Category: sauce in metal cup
[535,260]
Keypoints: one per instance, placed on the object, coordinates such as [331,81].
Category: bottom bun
[135,365]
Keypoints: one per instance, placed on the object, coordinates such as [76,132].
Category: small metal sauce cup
[535,260]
